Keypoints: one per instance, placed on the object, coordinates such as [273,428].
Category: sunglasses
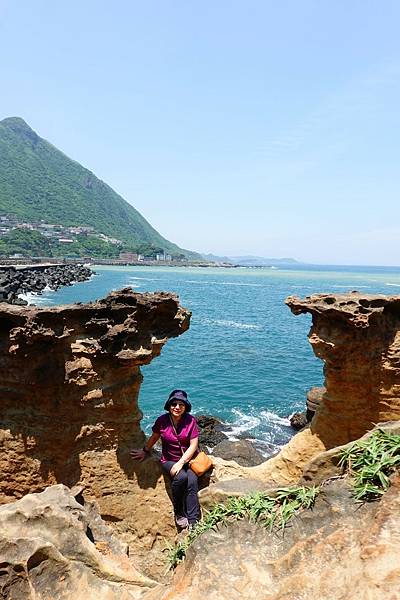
[180,404]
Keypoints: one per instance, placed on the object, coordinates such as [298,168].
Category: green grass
[269,511]
[370,463]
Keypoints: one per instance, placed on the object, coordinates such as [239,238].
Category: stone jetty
[16,281]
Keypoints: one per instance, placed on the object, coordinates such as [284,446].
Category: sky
[235,127]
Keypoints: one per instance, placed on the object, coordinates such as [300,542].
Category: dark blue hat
[180,395]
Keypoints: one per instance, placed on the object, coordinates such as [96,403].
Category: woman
[179,435]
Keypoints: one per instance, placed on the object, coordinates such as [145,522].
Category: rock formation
[53,545]
[358,338]
[70,378]
[339,550]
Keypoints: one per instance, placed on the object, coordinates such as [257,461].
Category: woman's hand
[176,468]
[138,454]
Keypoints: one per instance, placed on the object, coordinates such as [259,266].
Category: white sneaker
[181,521]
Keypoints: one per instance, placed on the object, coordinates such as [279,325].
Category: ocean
[246,358]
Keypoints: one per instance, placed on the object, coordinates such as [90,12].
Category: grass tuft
[370,463]
[270,511]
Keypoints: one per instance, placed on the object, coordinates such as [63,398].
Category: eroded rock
[50,548]
[69,382]
[338,550]
[358,338]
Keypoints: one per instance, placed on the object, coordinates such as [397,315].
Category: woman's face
[176,408]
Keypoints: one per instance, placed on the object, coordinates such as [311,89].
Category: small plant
[370,462]
[270,511]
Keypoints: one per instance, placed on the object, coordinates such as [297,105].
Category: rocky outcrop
[358,338]
[35,279]
[320,551]
[211,431]
[69,381]
[339,550]
[53,545]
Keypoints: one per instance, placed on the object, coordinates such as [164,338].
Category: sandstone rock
[339,550]
[358,338]
[241,451]
[48,550]
[69,380]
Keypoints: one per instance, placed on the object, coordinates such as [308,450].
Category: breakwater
[15,281]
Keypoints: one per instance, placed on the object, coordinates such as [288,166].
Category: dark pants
[184,492]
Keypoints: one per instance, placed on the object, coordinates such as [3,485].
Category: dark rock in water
[242,451]
[211,432]
[299,420]
[314,397]
[14,282]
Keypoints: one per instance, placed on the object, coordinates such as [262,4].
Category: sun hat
[180,395]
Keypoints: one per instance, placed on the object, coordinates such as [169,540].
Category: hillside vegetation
[38,182]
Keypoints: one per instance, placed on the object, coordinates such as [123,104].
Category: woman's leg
[178,486]
[192,498]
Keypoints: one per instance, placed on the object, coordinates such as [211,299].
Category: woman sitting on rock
[180,439]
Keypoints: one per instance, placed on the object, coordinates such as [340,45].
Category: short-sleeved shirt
[187,429]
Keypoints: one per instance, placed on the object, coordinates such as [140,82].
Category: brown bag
[200,464]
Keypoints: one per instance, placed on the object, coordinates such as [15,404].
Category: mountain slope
[38,181]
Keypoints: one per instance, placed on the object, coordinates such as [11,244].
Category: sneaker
[181,521]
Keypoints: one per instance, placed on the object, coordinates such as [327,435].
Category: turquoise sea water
[246,357]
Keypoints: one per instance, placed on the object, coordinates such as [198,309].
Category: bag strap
[176,433]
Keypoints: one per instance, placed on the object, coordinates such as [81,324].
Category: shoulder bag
[201,463]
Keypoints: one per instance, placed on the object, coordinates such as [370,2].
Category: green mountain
[40,183]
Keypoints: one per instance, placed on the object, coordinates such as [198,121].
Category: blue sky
[234,127]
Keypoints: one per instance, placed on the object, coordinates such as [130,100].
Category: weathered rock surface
[52,546]
[241,451]
[339,550]
[358,338]
[69,382]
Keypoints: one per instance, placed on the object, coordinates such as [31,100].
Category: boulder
[211,431]
[241,451]
[52,546]
[299,420]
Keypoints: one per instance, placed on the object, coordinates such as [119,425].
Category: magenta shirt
[187,429]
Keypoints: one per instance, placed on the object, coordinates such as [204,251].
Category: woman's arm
[186,456]
[141,453]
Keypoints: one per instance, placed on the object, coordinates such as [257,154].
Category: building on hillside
[129,256]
